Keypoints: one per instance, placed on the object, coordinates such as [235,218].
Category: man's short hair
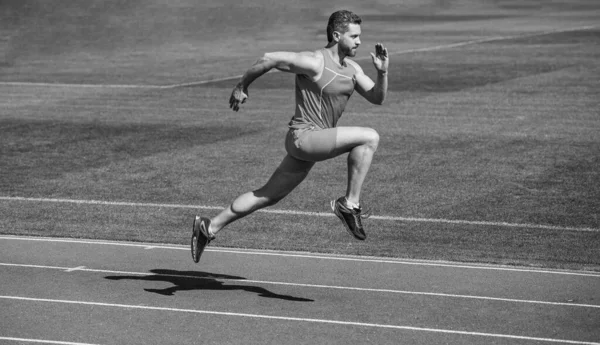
[339,20]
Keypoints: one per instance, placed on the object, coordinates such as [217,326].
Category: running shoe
[350,217]
[200,237]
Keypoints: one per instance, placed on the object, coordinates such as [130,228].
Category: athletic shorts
[311,144]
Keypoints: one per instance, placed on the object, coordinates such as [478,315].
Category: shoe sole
[198,243]
[346,226]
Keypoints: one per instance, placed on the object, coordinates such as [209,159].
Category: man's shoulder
[354,64]
[315,54]
[317,61]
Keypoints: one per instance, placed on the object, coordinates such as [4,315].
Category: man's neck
[335,53]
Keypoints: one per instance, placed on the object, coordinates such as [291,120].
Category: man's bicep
[298,63]
[364,84]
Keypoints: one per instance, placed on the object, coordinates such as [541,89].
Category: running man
[325,80]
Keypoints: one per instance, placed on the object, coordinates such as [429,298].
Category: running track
[62,291]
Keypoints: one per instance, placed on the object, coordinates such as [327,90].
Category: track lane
[239,284]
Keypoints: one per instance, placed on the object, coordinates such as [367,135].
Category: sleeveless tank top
[321,103]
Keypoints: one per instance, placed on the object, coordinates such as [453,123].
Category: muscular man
[325,80]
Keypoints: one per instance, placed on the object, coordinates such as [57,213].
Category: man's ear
[336,36]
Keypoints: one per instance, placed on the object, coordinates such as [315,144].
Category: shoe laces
[358,212]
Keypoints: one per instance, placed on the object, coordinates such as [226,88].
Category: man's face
[350,40]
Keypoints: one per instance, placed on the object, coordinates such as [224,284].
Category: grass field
[493,116]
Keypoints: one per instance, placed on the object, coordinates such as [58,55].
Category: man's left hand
[380,58]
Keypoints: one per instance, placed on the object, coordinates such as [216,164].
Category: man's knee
[371,138]
[274,199]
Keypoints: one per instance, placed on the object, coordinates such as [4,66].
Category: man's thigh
[312,145]
[319,145]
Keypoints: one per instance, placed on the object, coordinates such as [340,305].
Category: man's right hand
[238,96]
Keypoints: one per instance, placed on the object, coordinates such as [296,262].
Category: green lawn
[503,131]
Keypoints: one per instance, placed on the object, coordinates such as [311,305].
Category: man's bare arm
[299,63]
[375,92]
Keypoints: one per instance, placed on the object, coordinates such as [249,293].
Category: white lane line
[73,269]
[304,213]
[68,85]
[308,255]
[493,39]
[299,319]
[405,262]
[314,286]
[209,81]
[43,341]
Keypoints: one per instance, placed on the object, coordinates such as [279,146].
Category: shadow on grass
[193,280]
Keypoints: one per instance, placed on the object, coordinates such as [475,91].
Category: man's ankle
[350,204]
